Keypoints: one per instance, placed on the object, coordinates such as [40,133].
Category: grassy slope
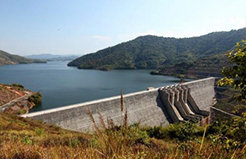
[27,138]
[155,52]
[9,59]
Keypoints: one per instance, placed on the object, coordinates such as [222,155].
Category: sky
[84,26]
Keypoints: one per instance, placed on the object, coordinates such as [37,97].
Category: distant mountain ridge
[52,57]
[153,52]
[9,59]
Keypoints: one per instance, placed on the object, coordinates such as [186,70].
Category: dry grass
[28,139]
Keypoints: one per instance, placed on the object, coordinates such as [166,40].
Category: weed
[27,140]
[39,131]
[22,111]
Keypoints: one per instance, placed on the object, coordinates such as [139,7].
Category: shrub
[27,140]
[22,111]
[157,132]
[135,133]
[181,131]
[239,109]
[39,131]
[18,85]
[35,98]
[234,129]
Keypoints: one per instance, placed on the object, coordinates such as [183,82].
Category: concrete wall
[202,92]
[144,107]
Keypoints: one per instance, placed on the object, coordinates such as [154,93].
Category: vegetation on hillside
[36,98]
[27,138]
[232,96]
[204,67]
[151,52]
[17,85]
[235,75]
[227,102]
[9,59]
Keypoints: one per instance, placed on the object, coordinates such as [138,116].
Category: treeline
[152,52]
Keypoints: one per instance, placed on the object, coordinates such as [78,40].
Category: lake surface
[61,85]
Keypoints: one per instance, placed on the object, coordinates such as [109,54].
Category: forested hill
[9,59]
[204,67]
[155,52]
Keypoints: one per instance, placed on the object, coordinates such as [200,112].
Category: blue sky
[84,26]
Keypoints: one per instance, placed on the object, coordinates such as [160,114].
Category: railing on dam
[160,106]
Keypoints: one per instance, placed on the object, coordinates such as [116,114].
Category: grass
[27,138]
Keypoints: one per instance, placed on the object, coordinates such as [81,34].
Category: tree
[36,98]
[235,75]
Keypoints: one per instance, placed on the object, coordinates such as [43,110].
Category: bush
[181,131]
[239,110]
[18,85]
[39,131]
[157,132]
[234,129]
[27,140]
[35,98]
[22,111]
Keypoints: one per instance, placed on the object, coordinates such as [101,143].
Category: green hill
[9,59]
[204,67]
[152,52]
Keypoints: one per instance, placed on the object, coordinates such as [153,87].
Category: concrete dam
[159,106]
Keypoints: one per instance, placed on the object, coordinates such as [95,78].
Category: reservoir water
[61,85]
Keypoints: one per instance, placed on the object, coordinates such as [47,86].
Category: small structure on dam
[159,106]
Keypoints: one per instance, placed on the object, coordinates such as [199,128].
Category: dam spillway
[159,106]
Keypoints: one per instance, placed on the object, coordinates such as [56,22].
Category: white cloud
[101,38]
